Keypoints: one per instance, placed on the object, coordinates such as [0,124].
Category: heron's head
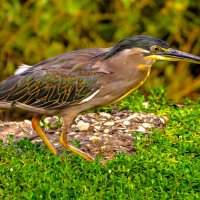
[152,48]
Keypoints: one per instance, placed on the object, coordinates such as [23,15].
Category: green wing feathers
[48,89]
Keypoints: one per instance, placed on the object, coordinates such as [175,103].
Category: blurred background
[31,31]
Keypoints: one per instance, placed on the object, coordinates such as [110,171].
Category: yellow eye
[155,49]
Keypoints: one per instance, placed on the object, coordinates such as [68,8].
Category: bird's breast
[115,89]
[135,84]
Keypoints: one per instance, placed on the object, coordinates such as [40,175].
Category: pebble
[94,121]
[146,125]
[86,120]
[164,120]
[97,128]
[109,123]
[117,118]
[76,136]
[73,126]
[27,122]
[151,120]
[72,133]
[47,120]
[133,116]
[56,144]
[103,114]
[83,126]
[145,104]
[139,119]
[95,139]
[105,135]
[92,115]
[141,129]
[157,122]
[106,131]
[126,122]
[88,145]
[103,148]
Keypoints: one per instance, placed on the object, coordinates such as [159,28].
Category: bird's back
[54,83]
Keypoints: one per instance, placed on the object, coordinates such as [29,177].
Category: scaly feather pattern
[49,89]
[55,83]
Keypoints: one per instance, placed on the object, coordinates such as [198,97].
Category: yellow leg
[63,141]
[36,127]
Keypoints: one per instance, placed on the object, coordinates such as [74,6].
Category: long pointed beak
[176,55]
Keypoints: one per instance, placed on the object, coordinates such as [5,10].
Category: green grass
[166,165]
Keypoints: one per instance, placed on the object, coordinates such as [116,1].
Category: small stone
[72,133]
[110,136]
[103,148]
[95,139]
[114,112]
[73,126]
[141,129]
[76,136]
[27,122]
[103,114]
[126,123]
[83,126]
[109,123]
[94,121]
[157,122]
[37,140]
[139,118]
[164,119]
[47,120]
[117,118]
[55,118]
[91,115]
[78,118]
[86,120]
[114,128]
[145,104]
[146,125]
[151,120]
[56,144]
[20,134]
[97,128]
[133,116]
[88,145]
[106,131]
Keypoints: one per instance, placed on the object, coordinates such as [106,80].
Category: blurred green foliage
[31,31]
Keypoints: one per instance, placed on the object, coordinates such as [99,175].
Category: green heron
[76,81]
